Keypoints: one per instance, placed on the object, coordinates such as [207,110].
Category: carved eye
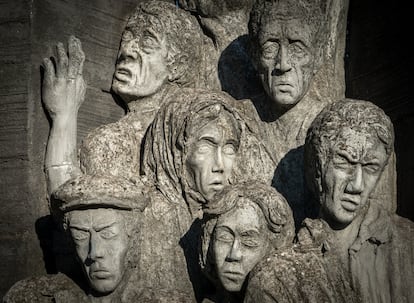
[229,149]
[342,163]
[203,147]
[250,241]
[297,49]
[149,42]
[107,233]
[127,35]
[371,168]
[270,50]
[224,236]
[79,235]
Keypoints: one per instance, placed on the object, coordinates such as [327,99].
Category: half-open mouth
[121,73]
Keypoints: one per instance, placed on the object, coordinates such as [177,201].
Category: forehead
[92,217]
[359,145]
[222,125]
[142,21]
[245,216]
[290,27]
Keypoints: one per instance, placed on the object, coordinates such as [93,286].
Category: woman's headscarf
[167,141]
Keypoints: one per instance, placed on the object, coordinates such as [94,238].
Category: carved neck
[152,102]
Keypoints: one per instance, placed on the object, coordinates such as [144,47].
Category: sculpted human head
[346,150]
[192,145]
[160,44]
[211,147]
[286,40]
[239,229]
[101,215]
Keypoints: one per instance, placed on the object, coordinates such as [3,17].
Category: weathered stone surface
[200,142]
[238,230]
[346,151]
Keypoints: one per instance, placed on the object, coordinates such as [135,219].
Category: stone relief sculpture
[159,53]
[192,150]
[185,176]
[224,23]
[347,148]
[102,216]
[239,229]
[286,46]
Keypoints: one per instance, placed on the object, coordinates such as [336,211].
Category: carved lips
[123,74]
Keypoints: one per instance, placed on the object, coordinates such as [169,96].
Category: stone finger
[62,61]
[49,71]
[76,57]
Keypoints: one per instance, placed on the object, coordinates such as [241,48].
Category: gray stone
[239,229]
[346,151]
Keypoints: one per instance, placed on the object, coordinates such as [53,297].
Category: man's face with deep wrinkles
[141,68]
[350,175]
[286,60]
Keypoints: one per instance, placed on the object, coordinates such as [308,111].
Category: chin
[232,287]
[104,287]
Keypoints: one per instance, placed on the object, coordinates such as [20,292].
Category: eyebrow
[78,227]
[346,156]
[105,225]
[208,138]
[250,232]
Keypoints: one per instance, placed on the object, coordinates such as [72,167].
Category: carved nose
[129,49]
[235,252]
[218,162]
[356,183]
[282,64]
[96,250]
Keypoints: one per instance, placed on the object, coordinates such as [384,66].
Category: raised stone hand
[63,88]
[63,91]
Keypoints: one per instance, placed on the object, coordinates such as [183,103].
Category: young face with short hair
[239,243]
[354,167]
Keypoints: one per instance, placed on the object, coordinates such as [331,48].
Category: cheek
[82,251]
[220,252]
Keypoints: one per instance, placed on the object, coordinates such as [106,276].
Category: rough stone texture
[29,37]
[29,31]
[346,150]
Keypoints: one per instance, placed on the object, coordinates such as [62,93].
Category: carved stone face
[101,242]
[211,156]
[350,175]
[286,60]
[141,67]
[239,243]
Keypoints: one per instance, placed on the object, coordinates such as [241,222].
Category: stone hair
[359,115]
[313,13]
[274,208]
[182,33]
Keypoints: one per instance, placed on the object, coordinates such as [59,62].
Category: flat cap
[95,191]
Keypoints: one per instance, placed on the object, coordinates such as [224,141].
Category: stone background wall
[378,68]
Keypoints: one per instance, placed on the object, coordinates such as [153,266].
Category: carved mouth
[233,275]
[122,74]
[349,204]
[217,185]
[100,274]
